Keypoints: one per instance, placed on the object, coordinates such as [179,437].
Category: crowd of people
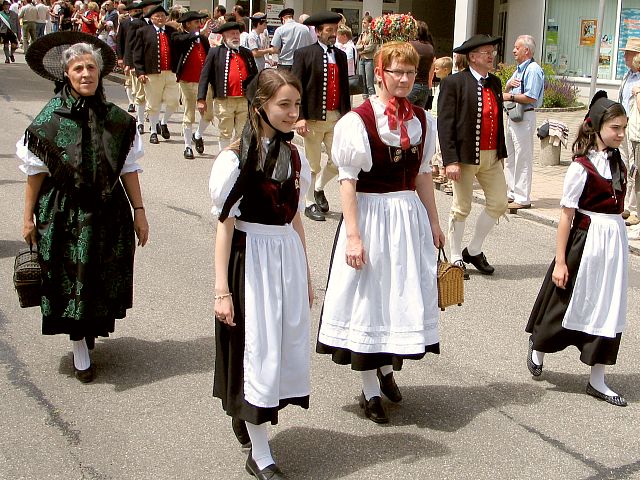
[380,306]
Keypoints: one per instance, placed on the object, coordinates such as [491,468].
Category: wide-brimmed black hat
[322,18]
[148,3]
[475,42]
[191,15]
[156,9]
[225,27]
[285,11]
[44,56]
[259,16]
[133,5]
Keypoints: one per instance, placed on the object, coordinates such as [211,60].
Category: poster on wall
[273,8]
[604,62]
[551,47]
[629,27]
[588,32]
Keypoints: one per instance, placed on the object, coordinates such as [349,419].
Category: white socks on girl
[370,385]
[260,451]
[597,380]
[81,359]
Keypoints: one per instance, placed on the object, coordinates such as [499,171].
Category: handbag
[450,282]
[27,277]
[515,111]
[355,85]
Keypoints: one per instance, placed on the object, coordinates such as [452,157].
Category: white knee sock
[456,231]
[167,116]
[202,126]
[260,450]
[537,357]
[187,132]
[153,121]
[386,370]
[484,224]
[81,358]
[129,94]
[310,198]
[597,380]
[140,114]
[370,385]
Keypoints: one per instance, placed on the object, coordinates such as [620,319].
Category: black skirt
[545,321]
[228,380]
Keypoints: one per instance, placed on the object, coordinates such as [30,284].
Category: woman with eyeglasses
[381,302]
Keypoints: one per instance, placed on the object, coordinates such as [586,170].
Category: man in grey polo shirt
[288,38]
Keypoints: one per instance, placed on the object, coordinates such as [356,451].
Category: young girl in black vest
[583,299]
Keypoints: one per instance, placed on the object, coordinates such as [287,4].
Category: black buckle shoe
[321,200]
[131,108]
[241,432]
[479,261]
[373,409]
[154,139]
[616,400]
[188,153]
[164,131]
[271,472]
[158,131]
[85,376]
[389,387]
[313,212]
[199,143]
[140,128]
[534,368]
[460,264]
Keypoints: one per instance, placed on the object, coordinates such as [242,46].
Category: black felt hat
[225,27]
[258,16]
[156,9]
[135,5]
[322,18]
[44,56]
[285,11]
[477,41]
[191,15]
[599,105]
[147,3]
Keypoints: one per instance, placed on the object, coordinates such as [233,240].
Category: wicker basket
[27,277]
[450,282]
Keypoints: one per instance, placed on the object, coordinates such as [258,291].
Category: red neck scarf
[398,111]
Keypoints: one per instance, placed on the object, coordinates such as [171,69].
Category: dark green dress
[86,239]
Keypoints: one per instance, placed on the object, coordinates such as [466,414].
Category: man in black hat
[288,38]
[152,60]
[138,10]
[190,48]
[228,69]
[322,70]
[472,143]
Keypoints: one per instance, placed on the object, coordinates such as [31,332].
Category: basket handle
[442,255]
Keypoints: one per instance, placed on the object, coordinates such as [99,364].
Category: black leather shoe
[479,261]
[140,129]
[271,472]
[389,387]
[313,212]
[460,263]
[373,409]
[85,376]
[188,153]
[164,131]
[199,143]
[534,368]
[241,432]
[321,201]
[616,400]
[131,108]
[154,139]
[158,130]
[13,59]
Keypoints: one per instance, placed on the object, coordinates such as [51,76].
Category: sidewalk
[546,189]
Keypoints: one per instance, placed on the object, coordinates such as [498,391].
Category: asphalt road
[472,412]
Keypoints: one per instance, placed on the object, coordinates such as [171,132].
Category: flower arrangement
[398,27]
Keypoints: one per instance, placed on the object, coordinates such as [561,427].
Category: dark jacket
[146,56]
[308,66]
[121,36]
[181,45]
[459,121]
[215,71]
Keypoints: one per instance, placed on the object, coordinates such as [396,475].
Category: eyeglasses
[398,74]
[492,53]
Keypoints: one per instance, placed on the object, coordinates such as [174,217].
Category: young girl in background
[583,299]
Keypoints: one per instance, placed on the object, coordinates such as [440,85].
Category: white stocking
[386,370]
[202,126]
[140,114]
[81,358]
[370,385]
[456,231]
[129,94]
[597,380]
[187,132]
[484,224]
[310,197]
[153,121]
[260,450]
[537,357]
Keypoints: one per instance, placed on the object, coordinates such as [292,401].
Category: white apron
[276,303]
[598,304]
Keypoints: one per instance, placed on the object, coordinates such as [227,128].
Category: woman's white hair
[78,50]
